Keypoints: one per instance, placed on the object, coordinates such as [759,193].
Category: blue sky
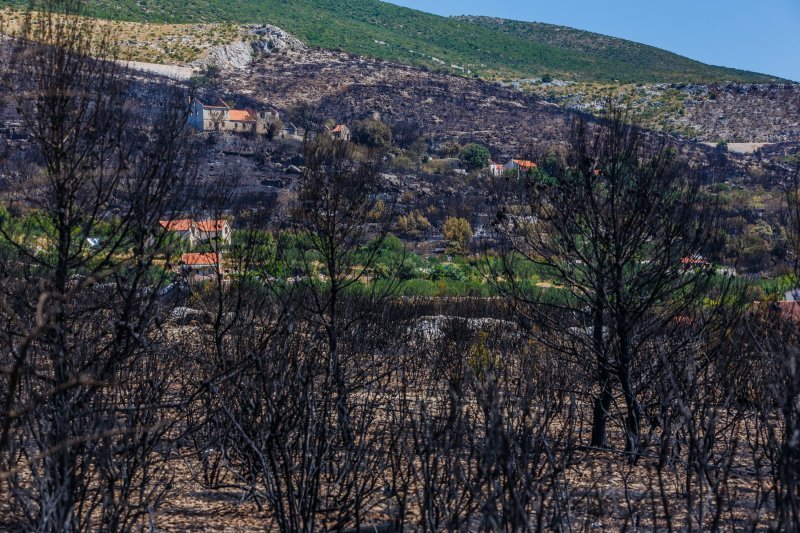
[758,35]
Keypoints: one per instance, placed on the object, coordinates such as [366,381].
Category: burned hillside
[334,85]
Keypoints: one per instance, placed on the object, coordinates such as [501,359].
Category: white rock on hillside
[266,39]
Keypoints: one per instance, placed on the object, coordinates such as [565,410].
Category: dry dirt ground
[742,148]
[604,490]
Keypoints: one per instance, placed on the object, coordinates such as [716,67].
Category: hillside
[738,113]
[476,47]
[321,85]
[627,60]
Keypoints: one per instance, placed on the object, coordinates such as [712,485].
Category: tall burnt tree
[336,214]
[338,218]
[297,407]
[84,372]
[619,222]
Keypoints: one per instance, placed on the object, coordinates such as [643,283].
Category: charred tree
[620,224]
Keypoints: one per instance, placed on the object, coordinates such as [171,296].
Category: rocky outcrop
[168,71]
[260,39]
[273,39]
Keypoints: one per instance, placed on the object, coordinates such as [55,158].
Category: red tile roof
[200,259]
[184,224]
[209,226]
[524,163]
[693,261]
[683,320]
[790,311]
[338,129]
[240,115]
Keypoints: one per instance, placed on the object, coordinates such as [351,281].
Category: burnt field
[208,331]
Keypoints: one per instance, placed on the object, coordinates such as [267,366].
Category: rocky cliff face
[259,40]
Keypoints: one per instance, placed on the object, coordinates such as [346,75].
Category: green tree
[414,224]
[475,156]
[373,133]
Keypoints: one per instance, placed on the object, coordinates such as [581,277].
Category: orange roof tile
[240,115]
[184,224]
[211,225]
[525,164]
[790,311]
[339,128]
[200,259]
[693,261]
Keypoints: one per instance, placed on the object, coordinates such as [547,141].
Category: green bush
[372,133]
[458,233]
[474,156]
[449,272]
[449,149]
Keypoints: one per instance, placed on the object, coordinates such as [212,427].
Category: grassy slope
[410,36]
[627,58]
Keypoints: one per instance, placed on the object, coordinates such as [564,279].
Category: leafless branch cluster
[638,392]
[86,372]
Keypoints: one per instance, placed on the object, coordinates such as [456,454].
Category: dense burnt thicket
[619,223]
[85,371]
[323,404]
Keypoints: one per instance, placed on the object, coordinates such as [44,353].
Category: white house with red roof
[208,230]
[183,228]
[198,267]
[221,117]
[341,132]
[496,170]
[695,261]
[518,167]
[200,230]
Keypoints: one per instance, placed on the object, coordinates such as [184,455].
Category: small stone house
[221,117]
[207,230]
[695,261]
[517,167]
[199,267]
[184,228]
[341,132]
[496,170]
[199,231]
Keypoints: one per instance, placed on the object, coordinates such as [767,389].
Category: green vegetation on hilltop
[625,61]
[473,46]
